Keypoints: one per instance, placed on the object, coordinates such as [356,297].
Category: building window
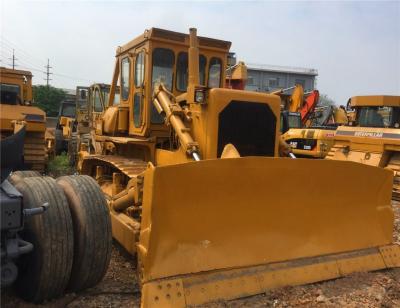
[301,82]
[250,81]
[273,82]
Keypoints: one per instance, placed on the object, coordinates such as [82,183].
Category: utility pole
[13,59]
[48,67]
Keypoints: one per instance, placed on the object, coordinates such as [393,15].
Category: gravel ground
[119,289]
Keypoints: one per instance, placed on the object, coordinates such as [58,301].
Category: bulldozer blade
[229,228]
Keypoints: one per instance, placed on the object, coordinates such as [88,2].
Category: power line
[13,59]
[27,62]
[7,43]
[48,67]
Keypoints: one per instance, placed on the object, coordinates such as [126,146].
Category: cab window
[97,107]
[116,98]
[376,116]
[182,73]
[139,70]
[137,119]
[163,65]
[10,94]
[162,72]
[125,68]
[214,73]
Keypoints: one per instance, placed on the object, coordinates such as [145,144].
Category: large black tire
[45,272]
[92,230]
[73,148]
[18,176]
[58,144]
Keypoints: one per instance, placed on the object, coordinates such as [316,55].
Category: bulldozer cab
[16,105]
[66,117]
[15,87]
[160,57]
[290,120]
[98,98]
[376,111]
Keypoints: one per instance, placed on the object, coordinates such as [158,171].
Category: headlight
[199,96]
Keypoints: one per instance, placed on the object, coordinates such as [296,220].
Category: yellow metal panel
[227,213]
[123,231]
[167,293]
[204,287]
[362,263]
[391,255]
[375,100]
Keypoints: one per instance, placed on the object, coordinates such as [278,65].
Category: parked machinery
[315,140]
[373,138]
[55,234]
[91,102]
[16,105]
[236,73]
[191,173]
[65,120]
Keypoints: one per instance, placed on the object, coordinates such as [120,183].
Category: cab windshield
[182,73]
[294,121]
[162,73]
[378,116]
[10,94]
[68,110]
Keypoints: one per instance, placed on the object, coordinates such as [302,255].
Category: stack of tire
[72,239]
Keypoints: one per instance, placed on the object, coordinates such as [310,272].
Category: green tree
[324,100]
[48,98]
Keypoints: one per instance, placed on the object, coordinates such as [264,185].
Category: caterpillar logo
[368,134]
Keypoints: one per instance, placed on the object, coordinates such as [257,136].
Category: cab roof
[157,34]
[9,71]
[375,100]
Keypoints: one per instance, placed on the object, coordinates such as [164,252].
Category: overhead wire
[29,61]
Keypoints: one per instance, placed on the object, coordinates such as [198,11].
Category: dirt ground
[119,289]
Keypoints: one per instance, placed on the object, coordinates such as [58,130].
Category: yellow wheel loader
[373,138]
[192,176]
[16,105]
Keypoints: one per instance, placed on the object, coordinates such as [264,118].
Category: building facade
[267,78]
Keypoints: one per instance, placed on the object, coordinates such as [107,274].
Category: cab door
[137,122]
[97,105]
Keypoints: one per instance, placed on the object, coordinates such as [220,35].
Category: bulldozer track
[128,166]
[35,151]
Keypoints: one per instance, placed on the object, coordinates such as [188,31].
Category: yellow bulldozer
[373,137]
[191,172]
[65,120]
[16,105]
[316,140]
[90,105]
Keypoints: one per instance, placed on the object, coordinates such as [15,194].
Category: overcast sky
[355,46]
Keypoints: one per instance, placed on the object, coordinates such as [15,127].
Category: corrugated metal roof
[282,69]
